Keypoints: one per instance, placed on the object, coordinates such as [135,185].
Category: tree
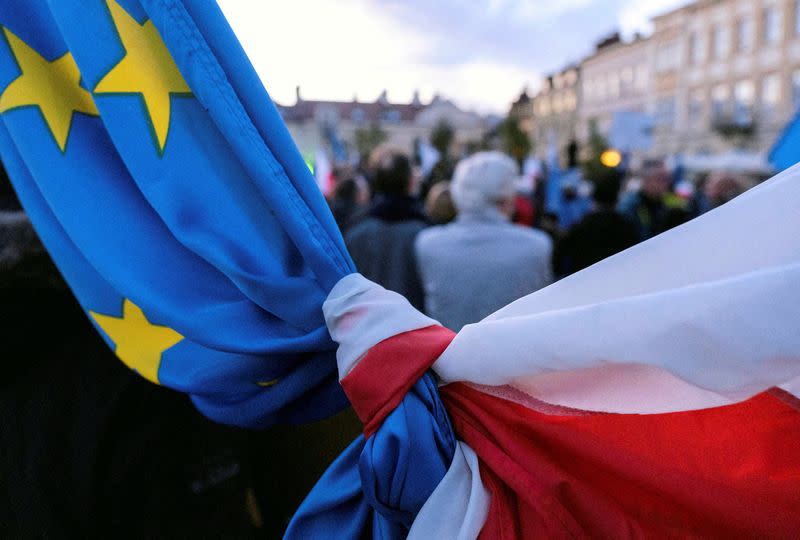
[368,139]
[442,137]
[593,168]
[514,141]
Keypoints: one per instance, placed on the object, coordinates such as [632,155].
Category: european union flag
[168,191]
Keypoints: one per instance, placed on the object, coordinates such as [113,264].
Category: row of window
[359,116]
[616,83]
[722,39]
[561,80]
[737,103]
[565,102]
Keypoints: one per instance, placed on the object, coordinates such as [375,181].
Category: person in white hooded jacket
[481,262]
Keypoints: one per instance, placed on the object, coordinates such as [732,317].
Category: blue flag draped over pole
[168,191]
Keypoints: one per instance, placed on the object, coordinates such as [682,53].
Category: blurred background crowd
[480,232]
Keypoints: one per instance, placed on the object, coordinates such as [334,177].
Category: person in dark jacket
[597,236]
[382,242]
[653,209]
[348,199]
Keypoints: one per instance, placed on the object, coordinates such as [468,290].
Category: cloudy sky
[480,53]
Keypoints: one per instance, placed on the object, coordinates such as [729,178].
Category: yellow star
[54,87]
[147,68]
[138,343]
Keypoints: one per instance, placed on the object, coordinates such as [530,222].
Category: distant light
[611,158]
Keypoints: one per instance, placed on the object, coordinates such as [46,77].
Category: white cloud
[482,86]
[480,55]
[330,49]
[538,10]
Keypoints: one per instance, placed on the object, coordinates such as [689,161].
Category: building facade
[323,125]
[522,112]
[555,111]
[616,79]
[726,73]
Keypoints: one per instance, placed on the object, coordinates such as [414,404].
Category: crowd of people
[463,248]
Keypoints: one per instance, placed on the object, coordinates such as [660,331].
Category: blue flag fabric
[164,184]
[786,150]
[377,487]
[168,191]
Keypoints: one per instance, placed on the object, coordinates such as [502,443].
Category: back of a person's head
[722,186]
[606,191]
[346,191]
[439,204]
[653,168]
[390,171]
[482,181]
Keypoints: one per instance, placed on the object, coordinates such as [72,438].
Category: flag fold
[168,191]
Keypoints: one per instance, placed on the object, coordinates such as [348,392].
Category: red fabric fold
[727,472]
[380,380]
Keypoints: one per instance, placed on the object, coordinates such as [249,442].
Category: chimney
[297,94]
[416,101]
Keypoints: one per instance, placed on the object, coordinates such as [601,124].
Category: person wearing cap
[481,262]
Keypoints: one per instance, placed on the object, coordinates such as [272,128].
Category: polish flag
[651,395]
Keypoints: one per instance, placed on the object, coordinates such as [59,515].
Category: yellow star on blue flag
[52,86]
[147,69]
[138,343]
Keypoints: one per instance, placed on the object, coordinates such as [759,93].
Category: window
[696,108]
[744,35]
[697,49]
[744,94]
[721,42]
[667,57]
[720,95]
[665,112]
[796,89]
[613,85]
[588,90]
[770,95]
[571,77]
[626,80]
[797,17]
[391,116]
[544,107]
[358,116]
[570,102]
[772,25]
[558,104]
[642,74]
[601,88]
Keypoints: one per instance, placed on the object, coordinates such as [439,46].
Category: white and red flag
[651,395]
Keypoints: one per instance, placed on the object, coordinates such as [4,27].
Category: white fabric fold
[701,316]
[360,314]
[458,507]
